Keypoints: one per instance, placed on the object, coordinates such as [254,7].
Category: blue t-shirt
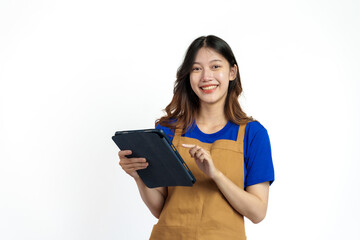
[258,165]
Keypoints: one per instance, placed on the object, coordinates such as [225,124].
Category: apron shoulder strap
[177,136]
[241,132]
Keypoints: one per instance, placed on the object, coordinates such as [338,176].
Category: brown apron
[201,212]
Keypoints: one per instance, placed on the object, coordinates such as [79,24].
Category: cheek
[193,82]
[222,76]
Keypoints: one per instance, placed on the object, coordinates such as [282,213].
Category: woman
[228,153]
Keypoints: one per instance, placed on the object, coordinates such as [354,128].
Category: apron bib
[201,212]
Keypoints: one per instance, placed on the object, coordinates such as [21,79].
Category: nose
[206,74]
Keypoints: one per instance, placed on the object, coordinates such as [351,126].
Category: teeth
[209,88]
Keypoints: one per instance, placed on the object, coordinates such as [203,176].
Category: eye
[216,66]
[195,69]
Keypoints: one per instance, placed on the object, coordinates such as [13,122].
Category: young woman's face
[210,76]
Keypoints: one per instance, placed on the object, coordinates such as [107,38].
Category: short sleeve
[257,155]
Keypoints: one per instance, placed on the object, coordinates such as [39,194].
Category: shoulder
[255,127]
[256,138]
[255,130]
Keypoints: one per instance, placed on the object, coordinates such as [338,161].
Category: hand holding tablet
[165,167]
[131,165]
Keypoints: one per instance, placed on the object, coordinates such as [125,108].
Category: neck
[211,115]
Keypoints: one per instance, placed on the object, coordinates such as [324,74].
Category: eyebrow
[215,60]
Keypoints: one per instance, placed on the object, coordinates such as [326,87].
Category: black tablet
[166,167]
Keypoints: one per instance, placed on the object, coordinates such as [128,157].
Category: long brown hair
[181,111]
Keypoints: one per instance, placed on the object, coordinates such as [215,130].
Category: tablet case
[166,167]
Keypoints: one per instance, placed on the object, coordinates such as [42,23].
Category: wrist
[217,176]
[137,178]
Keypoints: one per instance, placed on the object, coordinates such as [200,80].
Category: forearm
[152,197]
[247,204]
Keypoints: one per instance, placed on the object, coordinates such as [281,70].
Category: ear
[233,72]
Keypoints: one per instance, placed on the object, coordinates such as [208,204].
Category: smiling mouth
[211,87]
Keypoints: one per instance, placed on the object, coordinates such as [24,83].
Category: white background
[73,72]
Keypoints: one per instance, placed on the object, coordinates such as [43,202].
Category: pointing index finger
[188,145]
